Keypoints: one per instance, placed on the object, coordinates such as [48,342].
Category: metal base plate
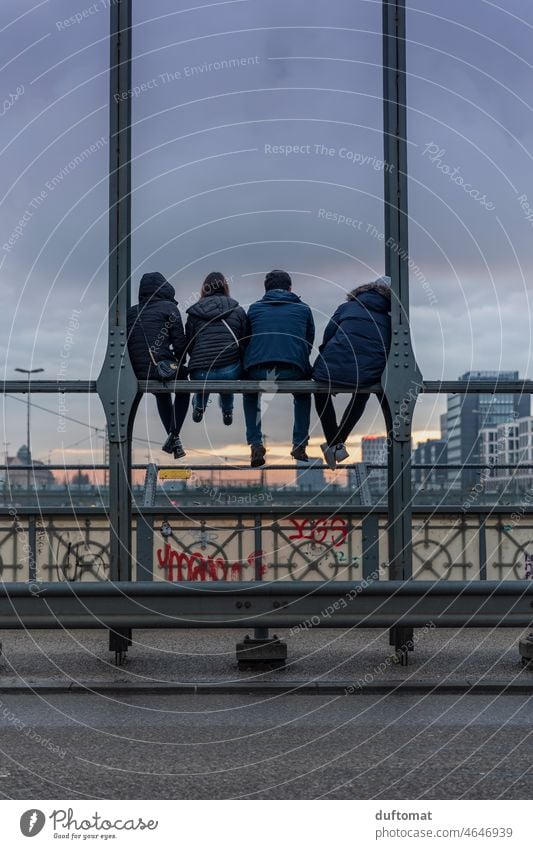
[525,648]
[269,653]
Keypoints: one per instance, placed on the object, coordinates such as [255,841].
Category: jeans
[231,372]
[172,415]
[252,404]
[339,433]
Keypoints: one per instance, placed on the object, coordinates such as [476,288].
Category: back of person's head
[377,286]
[278,280]
[214,284]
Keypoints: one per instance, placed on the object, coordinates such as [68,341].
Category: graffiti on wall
[288,548]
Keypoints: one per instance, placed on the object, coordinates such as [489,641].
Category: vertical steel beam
[402,379]
[259,633]
[370,546]
[482,548]
[32,548]
[117,385]
[145,547]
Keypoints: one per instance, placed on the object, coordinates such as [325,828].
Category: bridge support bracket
[119,642]
[268,653]
[525,648]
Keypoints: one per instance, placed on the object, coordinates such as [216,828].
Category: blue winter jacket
[281,330]
[356,342]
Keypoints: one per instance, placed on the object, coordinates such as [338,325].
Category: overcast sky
[220,88]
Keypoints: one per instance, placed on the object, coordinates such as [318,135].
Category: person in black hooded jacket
[353,354]
[155,332]
[216,331]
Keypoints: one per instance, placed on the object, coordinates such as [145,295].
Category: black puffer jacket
[158,315]
[209,342]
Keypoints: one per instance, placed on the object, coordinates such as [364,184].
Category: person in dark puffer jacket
[282,333]
[216,331]
[155,325]
[353,353]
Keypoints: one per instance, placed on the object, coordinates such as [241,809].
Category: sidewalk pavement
[350,661]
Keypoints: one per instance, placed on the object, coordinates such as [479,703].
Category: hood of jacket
[212,307]
[277,297]
[373,301]
[154,286]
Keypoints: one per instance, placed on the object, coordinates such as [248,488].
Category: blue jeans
[231,372]
[252,404]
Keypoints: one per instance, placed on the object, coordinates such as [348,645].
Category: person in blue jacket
[281,333]
[353,354]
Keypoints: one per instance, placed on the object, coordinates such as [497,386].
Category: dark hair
[277,280]
[214,284]
[380,288]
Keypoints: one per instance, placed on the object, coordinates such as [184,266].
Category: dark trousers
[333,432]
[171,414]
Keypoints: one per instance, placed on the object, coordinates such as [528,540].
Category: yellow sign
[175,474]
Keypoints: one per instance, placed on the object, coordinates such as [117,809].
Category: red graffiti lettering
[320,530]
[195,566]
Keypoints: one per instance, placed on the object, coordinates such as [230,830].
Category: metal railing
[114,603]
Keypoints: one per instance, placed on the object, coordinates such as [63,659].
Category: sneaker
[299,453]
[172,445]
[329,455]
[258,455]
[167,445]
[197,414]
[178,449]
[341,452]
[227,417]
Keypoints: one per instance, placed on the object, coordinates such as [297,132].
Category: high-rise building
[374,452]
[467,415]
[507,445]
[431,452]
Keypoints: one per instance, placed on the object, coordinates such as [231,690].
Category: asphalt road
[213,746]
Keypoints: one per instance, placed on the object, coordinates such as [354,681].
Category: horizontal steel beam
[277,467]
[492,386]
[48,387]
[215,467]
[459,387]
[276,511]
[483,604]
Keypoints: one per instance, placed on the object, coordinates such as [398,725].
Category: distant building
[488,449]
[38,476]
[374,452]
[309,478]
[509,444]
[432,452]
[468,415]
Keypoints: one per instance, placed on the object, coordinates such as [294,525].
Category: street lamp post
[29,372]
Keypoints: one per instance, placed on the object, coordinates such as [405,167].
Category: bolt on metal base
[268,653]
[525,647]
[119,642]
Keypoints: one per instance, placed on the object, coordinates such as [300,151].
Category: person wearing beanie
[353,353]
[155,333]
[216,332]
[281,333]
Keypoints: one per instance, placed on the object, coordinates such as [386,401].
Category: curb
[317,688]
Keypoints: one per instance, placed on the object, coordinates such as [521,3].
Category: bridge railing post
[402,380]
[117,385]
